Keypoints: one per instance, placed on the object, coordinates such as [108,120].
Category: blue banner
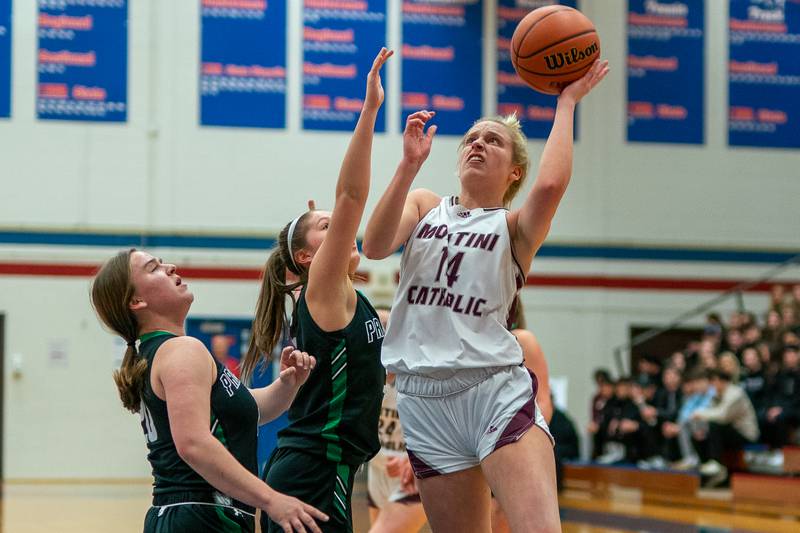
[535,110]
[442,60]
[764,73]
[665,71]
[5,58]
[83,60]
[243,63]
[340,41]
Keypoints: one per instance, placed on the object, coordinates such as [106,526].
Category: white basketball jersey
[458,280]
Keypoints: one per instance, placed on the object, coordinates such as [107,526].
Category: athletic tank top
[234,422]
[335,413]
[458,280]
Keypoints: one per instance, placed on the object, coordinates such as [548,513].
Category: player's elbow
[551,187]
[373,251]
[351,196]
[189,448]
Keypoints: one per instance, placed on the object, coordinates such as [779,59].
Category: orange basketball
[554,46]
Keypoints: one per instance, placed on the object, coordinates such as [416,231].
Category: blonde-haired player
[465,400]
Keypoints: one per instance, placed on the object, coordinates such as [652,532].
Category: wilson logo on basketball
[573,56]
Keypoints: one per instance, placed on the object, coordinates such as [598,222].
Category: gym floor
[119,507]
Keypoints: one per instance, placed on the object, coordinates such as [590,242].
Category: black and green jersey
[234,421]
[335,413]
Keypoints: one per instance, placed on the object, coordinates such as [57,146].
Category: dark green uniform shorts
[312,479]
[191,513]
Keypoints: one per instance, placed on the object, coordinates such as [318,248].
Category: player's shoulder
[425,200]
[184,359]
[189,350]
[185,342]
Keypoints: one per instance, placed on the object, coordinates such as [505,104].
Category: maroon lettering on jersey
[469,239]
[428,232]
[440,297]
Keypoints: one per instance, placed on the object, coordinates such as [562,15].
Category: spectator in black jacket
[643,393]
[648,369]
[753,379]
[783,406]
[769,359]
[667,404]
[621,426]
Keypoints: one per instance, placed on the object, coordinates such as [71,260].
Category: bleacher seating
[600,476]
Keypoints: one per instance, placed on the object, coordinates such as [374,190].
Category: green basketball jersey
[335,413]
[234,422]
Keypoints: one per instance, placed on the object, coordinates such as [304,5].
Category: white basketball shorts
[454,424]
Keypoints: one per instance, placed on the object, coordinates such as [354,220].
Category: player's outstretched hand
[579,88]
[374,97]
[295,366]
[416,142]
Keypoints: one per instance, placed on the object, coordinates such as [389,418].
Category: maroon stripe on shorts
[522,420]
[420,468]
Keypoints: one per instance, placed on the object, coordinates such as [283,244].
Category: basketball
[554,46]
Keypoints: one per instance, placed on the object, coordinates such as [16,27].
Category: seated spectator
[729,364]
[731,423]
[707,355]
[667,403]
[789,316]
[601,376]
[713,319]
[697,394]
[790,338]
[782,410]
[753,380]
[769,363]
[643,392]
[678,361]
[795,299]
[751,335]
[736,320]
[644,389]
[714,330]
[777,295]
[648,369]
[620,427]
[773,329]
[603,394]
[734,340]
